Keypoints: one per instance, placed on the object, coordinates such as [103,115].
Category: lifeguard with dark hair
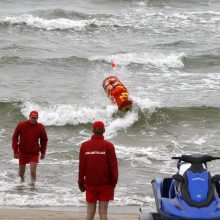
[117,93]
[98,172]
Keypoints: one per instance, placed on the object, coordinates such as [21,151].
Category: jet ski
[191,193]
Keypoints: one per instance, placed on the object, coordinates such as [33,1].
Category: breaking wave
[144,112]
[171,60]
[151,59]
[60,19]
[158,60]
[52,24]
[60,13]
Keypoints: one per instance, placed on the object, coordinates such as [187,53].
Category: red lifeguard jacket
[117,93]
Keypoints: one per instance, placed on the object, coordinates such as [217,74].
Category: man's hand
[16,155]
[82,188]
[42,156]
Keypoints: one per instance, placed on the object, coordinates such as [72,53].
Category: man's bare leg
[103,209]
[22,172]
[91,209]
[33,170]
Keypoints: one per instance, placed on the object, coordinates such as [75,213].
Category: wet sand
[115,213]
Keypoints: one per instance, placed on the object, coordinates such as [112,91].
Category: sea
[54,56]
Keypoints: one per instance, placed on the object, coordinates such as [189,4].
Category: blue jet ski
[191,193]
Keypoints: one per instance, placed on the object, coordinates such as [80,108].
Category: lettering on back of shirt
[94,152]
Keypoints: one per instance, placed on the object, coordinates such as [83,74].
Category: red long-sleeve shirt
[29,139]
[98,164]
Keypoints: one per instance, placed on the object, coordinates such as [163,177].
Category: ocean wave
[144,113]
[144,110]
[63,23]
[16,59]
[176,44]
[60,19]
[60,13]
[210,59]
[159,60]
[66,114]
[52,24]
[55,61]
[70,114]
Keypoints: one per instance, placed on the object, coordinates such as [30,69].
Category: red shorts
[99,193]
[24,159]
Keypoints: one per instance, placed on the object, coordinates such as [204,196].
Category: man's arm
[81,174]
[15,141]
[113,163]
[43,142]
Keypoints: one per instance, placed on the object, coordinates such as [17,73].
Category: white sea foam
[204,12]
[59,162]
[63,23]
[67,199]
[172,60]
[197,140]
[143,156]
[129,20]
[50,161]
[121,123]
[52,24]
[141,4]
[40,199]
[43,194]
[63,114]
[2,133]
[132,153]
[144,103]
[132,200]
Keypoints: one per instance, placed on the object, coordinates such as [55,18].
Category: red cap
[98,124]
[34,114]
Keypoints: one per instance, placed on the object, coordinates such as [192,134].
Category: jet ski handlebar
[196,158]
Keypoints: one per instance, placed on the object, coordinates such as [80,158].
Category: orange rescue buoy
[117,93]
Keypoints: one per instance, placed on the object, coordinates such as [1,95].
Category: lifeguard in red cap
[29,141]
[117,93]
[98,172]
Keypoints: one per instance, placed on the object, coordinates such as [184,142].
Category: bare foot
[32,183]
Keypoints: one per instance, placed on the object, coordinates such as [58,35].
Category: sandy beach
[57,214]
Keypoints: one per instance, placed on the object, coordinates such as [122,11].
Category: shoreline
[64,213]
